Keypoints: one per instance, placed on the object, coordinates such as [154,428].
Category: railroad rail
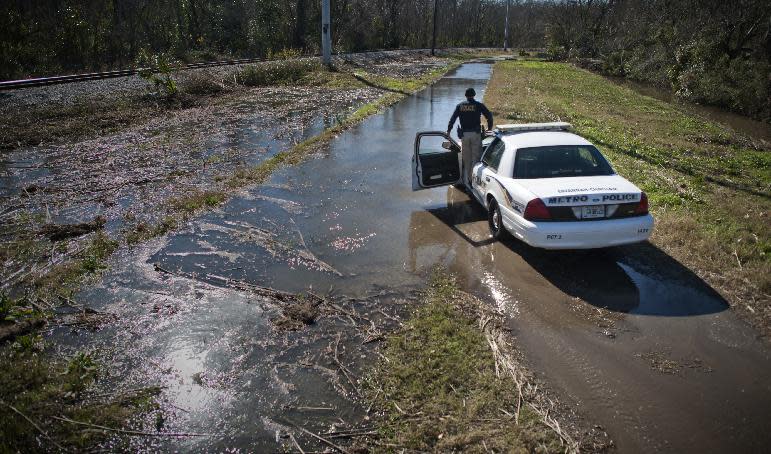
[42,81]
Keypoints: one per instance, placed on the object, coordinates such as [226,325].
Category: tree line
[712,51]
[54,36]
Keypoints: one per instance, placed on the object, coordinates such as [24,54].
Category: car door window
[492,157]
[435,161]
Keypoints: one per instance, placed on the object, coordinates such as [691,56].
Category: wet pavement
[629,336]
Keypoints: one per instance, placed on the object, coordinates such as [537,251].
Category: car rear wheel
[495,219]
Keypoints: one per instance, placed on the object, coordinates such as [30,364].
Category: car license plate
[593,211]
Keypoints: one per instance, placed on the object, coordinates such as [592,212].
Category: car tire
[495,221]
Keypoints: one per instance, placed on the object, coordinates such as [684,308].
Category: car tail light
[642,207]
[536,211]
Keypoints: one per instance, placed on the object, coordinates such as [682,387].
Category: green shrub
[702,74]
[156,70]
[197,56]
[556,52]
[613,64]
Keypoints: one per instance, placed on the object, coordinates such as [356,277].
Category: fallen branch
[344,369]
[132,432]
[296,444]
[322,439]
[353,434]
[43,432]
[332,433]
[59,232]
[738,261]
[233,283]
[128,392]
[313,257]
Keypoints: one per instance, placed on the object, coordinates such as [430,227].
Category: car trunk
[586,198]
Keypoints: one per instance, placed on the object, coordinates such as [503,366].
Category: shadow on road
[656,284]
[640,279]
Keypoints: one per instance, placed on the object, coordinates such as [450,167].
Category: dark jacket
[469,112]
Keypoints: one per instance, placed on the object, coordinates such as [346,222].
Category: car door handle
[487,179]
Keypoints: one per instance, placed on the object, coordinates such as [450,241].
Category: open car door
[436,161]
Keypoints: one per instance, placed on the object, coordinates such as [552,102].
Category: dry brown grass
[450,381]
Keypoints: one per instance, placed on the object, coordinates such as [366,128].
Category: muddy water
[631,337]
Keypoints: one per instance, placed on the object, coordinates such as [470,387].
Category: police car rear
[559,192]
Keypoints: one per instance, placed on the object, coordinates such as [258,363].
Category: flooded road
[629,336]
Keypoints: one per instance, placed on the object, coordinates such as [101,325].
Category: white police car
[542,184]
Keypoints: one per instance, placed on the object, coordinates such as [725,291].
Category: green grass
[626,123]
[41,386]
[709,187]
[197,200]
[439,391]
[64,279]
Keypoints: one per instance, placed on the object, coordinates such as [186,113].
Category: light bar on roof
[556,126]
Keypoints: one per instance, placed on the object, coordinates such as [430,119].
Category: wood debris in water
[59,232]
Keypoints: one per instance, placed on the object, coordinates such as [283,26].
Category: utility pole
[326,41]
[433,39]
[506,29]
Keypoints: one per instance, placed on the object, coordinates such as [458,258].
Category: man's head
[470,93]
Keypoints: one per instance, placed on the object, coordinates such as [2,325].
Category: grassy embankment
[708,186]
[440,389]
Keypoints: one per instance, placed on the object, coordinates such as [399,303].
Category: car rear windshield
[560,161]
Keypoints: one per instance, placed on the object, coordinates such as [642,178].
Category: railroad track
[42,81]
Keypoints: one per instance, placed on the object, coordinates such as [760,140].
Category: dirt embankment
[451,380]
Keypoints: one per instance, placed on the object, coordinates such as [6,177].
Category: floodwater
[629,336]
[137,170]
[130,177]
